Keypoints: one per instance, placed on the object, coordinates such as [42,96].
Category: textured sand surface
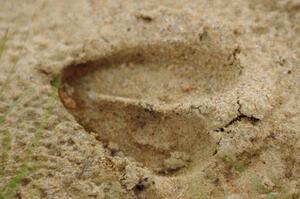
[150,99]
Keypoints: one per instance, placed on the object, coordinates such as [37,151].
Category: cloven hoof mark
[131,96]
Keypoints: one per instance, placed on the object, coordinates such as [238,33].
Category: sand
[150,99]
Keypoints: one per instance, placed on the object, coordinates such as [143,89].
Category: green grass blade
[7,140]
[13,184]
[6,147]
[56,81]
[24,170]
[12,70]
[8,78]
[3,42]
[13,105]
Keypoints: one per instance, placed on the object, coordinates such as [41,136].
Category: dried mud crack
[241,116]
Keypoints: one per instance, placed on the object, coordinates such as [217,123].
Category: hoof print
[135,97]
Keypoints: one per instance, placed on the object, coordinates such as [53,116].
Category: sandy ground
[150,99]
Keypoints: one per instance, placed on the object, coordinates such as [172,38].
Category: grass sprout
[3,42]
[10,190]
[14,104]
[13,68]
[6,147]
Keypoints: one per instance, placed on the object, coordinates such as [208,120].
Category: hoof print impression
[136,97]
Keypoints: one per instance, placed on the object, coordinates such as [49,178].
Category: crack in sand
[241,116]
